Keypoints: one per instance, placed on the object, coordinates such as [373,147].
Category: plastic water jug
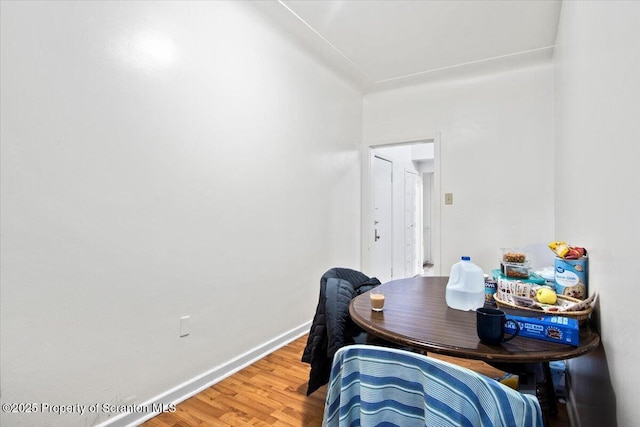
[465,289]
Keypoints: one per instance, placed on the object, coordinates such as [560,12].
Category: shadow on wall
[591,398]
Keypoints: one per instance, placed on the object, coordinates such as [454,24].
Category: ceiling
[386,43]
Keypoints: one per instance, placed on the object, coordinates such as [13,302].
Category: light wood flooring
[272,392]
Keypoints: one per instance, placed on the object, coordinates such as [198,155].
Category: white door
[382,219]
[412,224]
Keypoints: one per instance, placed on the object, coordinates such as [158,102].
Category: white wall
[161,159]
[597,86]
[496,156]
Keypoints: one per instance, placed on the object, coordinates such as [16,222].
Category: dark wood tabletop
[416,315]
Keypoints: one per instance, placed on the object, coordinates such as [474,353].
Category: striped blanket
[378,386]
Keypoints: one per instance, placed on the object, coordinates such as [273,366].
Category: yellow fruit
[546,296]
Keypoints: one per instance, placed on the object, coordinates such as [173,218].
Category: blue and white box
[563,330]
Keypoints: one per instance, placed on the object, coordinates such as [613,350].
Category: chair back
[371,385]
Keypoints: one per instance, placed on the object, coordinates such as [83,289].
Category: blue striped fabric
[378,386]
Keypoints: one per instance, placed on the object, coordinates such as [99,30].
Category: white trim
[205,380]
[345,57]
[463,64]
[436,198]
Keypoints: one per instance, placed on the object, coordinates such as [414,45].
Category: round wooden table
[416,315]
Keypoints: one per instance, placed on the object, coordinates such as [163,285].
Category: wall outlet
[185,326]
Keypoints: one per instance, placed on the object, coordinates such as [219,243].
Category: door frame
[366,223]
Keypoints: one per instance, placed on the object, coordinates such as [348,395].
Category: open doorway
[414,209]
[428,189]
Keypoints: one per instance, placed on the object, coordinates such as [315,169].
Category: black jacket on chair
[332,328]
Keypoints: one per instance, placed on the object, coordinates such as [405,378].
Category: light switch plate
[448,198]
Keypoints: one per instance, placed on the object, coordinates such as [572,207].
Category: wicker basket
[581,315]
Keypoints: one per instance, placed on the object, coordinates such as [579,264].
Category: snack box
[563,330]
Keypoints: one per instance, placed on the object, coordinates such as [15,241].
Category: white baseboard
[201,382]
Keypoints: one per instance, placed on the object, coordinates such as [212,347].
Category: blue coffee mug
[490,326]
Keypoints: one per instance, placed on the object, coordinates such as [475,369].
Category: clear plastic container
[465,289]
[515,270]
[513,255]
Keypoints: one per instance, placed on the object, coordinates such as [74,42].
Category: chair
[332,327]
[371,385]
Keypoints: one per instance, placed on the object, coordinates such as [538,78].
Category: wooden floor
[272,392]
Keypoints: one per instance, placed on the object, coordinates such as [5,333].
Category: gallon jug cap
[466,258]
